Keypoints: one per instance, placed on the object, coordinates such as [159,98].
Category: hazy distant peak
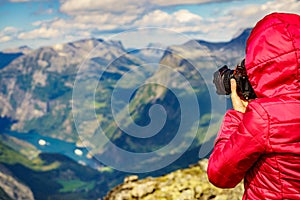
[22,49]
[194,43]
[241,32]
[87,45]
[156,45]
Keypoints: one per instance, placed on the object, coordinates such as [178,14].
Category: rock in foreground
[186,184]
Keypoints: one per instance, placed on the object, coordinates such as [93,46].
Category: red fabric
[262,145]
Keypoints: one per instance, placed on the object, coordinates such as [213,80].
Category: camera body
[222,81]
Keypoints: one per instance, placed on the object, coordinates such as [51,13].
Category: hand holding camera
[237,103]
[222,81]
[236,83]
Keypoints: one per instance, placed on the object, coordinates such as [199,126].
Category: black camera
[222,81]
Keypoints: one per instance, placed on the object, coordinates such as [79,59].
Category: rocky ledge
[185,184]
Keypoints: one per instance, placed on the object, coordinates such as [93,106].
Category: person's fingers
[237,103]
[233,86]
[245,103]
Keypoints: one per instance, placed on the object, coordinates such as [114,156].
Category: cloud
[108,15]
[121,13]
[102,20]
[75,7]
[5,38]
[57,29]
[250,14]
[10,30]
[186,2]
[96,17]
[8,34]
[22,1]
[16,1]
[44,11]
[42,32]
[104,15]
[181,21]
[91,18]
[184,16]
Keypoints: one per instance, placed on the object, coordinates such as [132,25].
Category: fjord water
[56,146]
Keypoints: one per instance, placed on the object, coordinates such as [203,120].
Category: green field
[75,185]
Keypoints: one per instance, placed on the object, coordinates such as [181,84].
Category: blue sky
[48,22]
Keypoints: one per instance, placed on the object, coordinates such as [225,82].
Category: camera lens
[222,80]
[227,75]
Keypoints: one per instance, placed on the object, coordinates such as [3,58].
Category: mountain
[49,176]
[22,49]
[230,52]
[11,188]
[150,54]
[196,61]
[8,55]
[6,58]
[169,102]
[36,88]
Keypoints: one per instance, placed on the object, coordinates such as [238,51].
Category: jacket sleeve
[240,142]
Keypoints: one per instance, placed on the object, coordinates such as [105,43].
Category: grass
[75,185]
[99,105]
[52,176]
[106,169]
[11,157]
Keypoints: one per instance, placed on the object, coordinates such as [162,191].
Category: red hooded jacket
[262,145]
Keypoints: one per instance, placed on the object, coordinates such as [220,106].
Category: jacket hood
[273,55]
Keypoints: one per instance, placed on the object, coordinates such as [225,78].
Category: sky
[37,23]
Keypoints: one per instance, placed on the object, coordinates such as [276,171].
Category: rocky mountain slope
[14,189]
[36,88]
[185,184]
[195,61]
[6,58]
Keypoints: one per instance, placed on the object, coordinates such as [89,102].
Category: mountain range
[36,96]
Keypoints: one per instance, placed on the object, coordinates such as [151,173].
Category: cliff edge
[184,184]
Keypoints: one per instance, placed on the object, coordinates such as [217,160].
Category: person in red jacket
[259,141]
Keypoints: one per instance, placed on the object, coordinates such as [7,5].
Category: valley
[56,156]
